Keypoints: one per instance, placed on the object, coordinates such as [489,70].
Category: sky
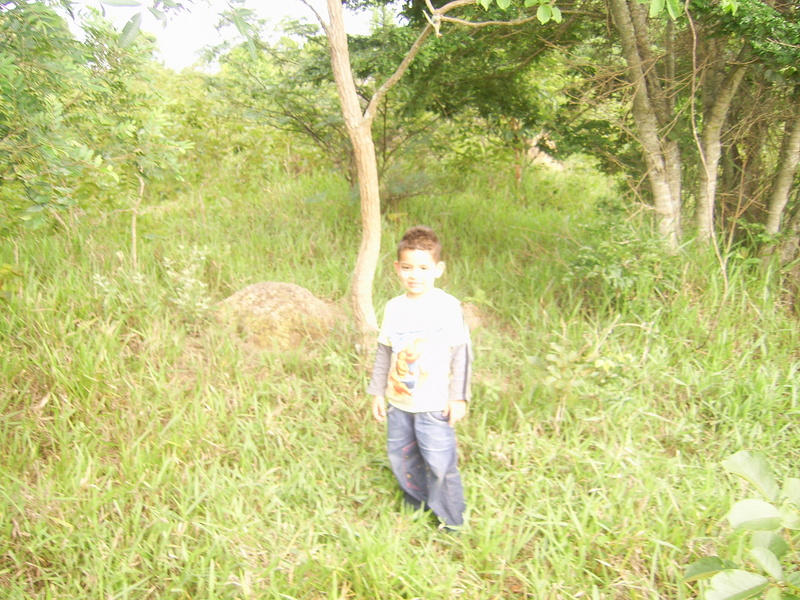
[188,32]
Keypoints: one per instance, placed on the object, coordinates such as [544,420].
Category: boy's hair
[421,237]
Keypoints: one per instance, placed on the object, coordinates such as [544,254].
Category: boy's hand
[456,410]
[379,408]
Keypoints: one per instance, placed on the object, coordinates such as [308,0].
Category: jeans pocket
[438,415]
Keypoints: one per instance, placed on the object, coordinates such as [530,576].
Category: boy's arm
[460,382]
[460,372]
[377,383]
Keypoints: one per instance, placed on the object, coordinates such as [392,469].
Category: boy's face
[418,272]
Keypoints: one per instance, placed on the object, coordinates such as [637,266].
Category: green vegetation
[764,519]
[146,453]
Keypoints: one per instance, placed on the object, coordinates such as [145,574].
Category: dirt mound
[279,316]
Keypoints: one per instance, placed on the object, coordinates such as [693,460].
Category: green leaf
[754,515]
[735,585]
[159,15]
[674,8]
[771,541]
[768,562]
[131,29]
[791,490]
[656,6]
[793,580]
[123,3]
[504,4]
[790,517]
[531,3]
[755,469]
[773,594]
[544,13]
[730,5]
[706,567]
[485,3]
[556,14]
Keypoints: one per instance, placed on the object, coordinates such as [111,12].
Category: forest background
[615,186]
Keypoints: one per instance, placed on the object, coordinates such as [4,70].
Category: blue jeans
[423,454]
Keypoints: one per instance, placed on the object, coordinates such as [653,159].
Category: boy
[422,367]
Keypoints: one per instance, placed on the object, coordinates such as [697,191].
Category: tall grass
[147,454]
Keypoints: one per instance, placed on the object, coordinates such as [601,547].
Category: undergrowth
[147,454]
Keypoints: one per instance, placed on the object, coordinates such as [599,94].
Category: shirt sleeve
[380,371]
[460,372]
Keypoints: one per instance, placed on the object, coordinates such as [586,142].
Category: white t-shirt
[421,333]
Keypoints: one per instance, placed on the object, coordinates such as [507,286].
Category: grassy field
[147,454]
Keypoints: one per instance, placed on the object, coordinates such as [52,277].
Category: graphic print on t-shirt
[405,373]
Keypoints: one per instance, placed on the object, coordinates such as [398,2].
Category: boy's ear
[439,268]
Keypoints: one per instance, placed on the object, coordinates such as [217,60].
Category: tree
[129,125]
[359,126]
[43,79]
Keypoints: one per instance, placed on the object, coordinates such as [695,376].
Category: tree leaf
[674,8]
[768,562]
[771,541]
[544,13]
[504,4]
[131,29]
[790,517]
[730,5]
[791,490]
[159,15]
[755,469]
[793,579]
[735,585]
[774,594]
[706,567]
[656,6]
[556,14]
[531,3]
[754,515]
[485,3]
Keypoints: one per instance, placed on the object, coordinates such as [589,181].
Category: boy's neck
[421,296]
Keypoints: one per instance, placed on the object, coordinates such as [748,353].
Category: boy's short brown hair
[421,237]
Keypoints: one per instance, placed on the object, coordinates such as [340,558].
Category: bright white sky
[189,31]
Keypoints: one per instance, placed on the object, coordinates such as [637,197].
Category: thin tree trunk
[789,159]
[359,127]
[661,156]
[134,224]
[711,148]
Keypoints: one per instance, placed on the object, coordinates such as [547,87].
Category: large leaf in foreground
[755,469]
[735,585]
[771,541]
[768,562]
[706,567]
[754,515]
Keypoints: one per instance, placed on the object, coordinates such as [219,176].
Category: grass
[146,454]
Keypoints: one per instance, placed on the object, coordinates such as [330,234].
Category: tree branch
[322,22]
[389,83]
[476,24]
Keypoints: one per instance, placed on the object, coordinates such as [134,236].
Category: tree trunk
[789,159]
[662,156]
[359,127]
[711,145]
